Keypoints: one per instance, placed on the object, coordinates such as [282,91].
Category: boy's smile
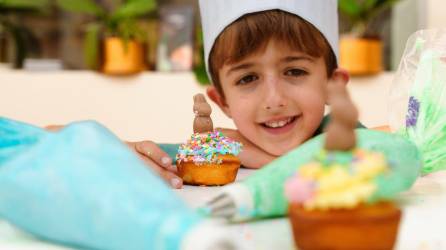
[276,97]
[280,125]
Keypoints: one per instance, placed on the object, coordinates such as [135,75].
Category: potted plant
[200,67]
[361,47]
[11,27]
[123,35]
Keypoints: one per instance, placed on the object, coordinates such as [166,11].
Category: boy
[270,63]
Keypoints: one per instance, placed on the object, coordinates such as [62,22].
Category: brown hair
[252,32]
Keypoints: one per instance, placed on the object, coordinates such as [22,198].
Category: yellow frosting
[343,185]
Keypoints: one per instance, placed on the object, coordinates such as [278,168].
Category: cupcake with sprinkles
[332,199]
[208,158]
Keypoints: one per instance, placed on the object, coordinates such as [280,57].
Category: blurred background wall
[60,34]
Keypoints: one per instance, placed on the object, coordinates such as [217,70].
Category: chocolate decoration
[202,109]
[340,133]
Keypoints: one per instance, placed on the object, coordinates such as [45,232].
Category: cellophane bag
[418,97]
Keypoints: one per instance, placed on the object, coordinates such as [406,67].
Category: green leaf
[129,29]
[134,8]
[202,76]
[91,46]
[379,7]
[369,4]
[24,4]
[81,6]
[200,69]
[350,8]
[362,12]
[385,4]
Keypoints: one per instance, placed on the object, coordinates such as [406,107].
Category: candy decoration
[207,147]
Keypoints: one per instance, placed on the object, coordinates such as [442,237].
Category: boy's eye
[295,72]
[247,79]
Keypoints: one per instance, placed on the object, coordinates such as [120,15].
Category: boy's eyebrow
[239,67]
[286,59]
[296,58]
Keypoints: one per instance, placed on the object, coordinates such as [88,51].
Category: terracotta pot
[121,59]
[361,56]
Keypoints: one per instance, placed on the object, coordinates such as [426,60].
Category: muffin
[208,159]
[332,203]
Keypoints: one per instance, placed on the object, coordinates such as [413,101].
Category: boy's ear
[218,99]
[339,76]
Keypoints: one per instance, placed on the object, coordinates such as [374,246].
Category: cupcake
[208,158]
[333,201]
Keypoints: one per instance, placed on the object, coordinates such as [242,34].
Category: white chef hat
[217,14]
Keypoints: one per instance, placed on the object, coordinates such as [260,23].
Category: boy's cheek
[242,123]
[314,99]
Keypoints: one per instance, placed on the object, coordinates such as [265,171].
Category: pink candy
[299,190]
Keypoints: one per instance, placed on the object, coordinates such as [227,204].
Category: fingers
[172,179]
[158,160]
[54,128]
[156,154]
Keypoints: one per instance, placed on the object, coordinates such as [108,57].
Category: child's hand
[152,155]
[53,128]
[251,156]
[158,160]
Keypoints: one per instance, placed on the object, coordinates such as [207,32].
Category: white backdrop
[153,106]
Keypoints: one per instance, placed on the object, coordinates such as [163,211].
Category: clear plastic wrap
[418,97]
[408,74]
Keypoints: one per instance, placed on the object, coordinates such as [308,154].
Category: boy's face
[276,97]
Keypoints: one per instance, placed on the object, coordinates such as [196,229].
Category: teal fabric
[171,149]
[83,187]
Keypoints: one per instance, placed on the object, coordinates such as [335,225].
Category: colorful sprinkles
[205,148]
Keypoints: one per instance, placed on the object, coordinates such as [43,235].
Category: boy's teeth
[277,124]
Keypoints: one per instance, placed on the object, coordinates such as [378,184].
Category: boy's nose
[275,97]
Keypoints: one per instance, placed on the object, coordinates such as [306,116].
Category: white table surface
[423,225]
